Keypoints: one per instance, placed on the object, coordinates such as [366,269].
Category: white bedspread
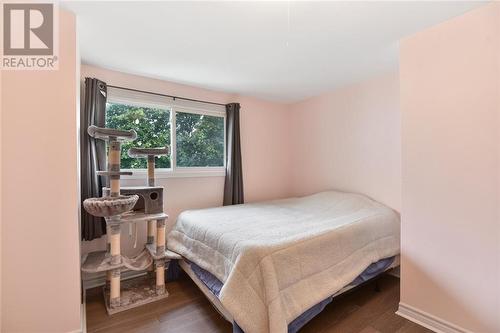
[279,258]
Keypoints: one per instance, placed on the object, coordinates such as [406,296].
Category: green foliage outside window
[200,138]
[153,130]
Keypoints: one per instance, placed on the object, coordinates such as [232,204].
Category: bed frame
[208,294]
[222,310]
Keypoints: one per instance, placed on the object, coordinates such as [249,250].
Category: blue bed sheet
[215,286]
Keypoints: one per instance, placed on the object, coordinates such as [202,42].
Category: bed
[272,266]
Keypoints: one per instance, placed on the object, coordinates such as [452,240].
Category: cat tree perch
[128,205]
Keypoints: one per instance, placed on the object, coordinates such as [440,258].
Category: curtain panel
[233,184]
[93,155]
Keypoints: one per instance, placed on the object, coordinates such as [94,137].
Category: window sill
[164,174]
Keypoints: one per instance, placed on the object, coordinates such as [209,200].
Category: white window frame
[120,96]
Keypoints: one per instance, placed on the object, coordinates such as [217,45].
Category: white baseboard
[83,322]
[429,321]
[84,312]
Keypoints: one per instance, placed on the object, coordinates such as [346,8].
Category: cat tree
[122,205]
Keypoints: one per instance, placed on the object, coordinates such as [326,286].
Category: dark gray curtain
[93,154]
[233,185]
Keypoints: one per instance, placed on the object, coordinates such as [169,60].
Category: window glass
[199,140]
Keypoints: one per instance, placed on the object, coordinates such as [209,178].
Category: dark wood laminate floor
[186,310]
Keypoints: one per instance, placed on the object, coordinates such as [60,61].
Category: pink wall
[349,139]
[450,165]
[39,175]
[1,200]
[264,136]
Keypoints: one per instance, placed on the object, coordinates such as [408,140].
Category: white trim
[201,111]
[120,96]
[183,104]
[146,104]
[84,313]
[178,173]
[173,144]
[428,321]
[83,318]
[78,331]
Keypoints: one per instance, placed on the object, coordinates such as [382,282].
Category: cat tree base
[134,292]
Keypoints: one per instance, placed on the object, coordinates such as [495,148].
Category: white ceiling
[283,51]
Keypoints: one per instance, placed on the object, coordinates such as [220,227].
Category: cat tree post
[151,170]
[108,236]
[114,293]
[160,237]
[108,249]
[151,182]
[114,185]
[114,166]
[160,276]
[160,251]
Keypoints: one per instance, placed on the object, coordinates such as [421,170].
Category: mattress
[278,259]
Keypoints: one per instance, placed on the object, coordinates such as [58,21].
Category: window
[200,140]
[195,133]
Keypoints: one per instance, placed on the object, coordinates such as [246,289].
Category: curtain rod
[164,95]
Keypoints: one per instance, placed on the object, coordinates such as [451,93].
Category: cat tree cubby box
[125,205]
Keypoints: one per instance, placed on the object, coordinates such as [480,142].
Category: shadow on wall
[445,302]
